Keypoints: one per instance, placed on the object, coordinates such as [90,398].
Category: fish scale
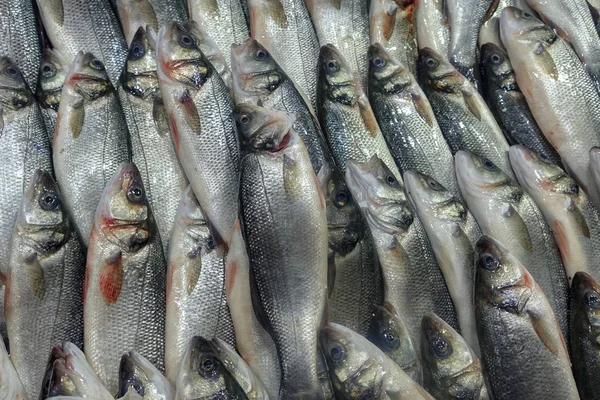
[168,11]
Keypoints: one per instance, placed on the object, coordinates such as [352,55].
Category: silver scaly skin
[85,25]
[517,328]
[124,294]
[407,120]
[53,71]
[574,221]
[360,371]
[345,25]
[505,212]
[11,388]
[285,29]
[137,373]
[432,27]
[559,91]
[135,14]
[451,368]
[199,109]
[452,231]
[413,283]
[196,302]
[44,285]
[168,11]
[91,139]
[151,142]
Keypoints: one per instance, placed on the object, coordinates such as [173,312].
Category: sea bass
[52,76]
[199,109]
[432,27]
[125,280]
[135,14]
[168,11]
[137,373]
[196,302]
[11,388]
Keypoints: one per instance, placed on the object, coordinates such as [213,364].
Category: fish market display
[137,373]
[11,388]
[135,14]
[125,280]
[52,75]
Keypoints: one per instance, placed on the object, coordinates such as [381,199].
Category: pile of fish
[300,199]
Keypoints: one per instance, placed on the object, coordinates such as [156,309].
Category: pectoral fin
[111,278]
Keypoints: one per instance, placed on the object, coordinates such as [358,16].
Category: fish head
[139,374]
[255,72]
[432,199]
[211,51]
[14,92]
[586,303]
[180,58]
[57,353]
[344,222]
[42,206]
[437,73]
[448,359]
[497,67]
[263,129]
[379,195]
[519,26]
[60,381]
[336,81]
[87,76]
[53,71]
[139,77]
[386,74]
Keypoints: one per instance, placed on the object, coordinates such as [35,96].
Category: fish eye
[391,179]
[245,119]
[337,353]
[186,41]
[489,262]
[431,62]
[496,58]
[391,339]
[134,383]
[440,347]
[545,158]
[11,71]
[137,51]
[48,70]
[261,55]
[592,299]
[574,189]
[490,166]
[97,64]
[378,62]
[433,184]
[342,198]
[526,15]
[209,366]
[332,66]
[49,201]
[136,194]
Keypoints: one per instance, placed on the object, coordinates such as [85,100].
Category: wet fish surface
[137,373]
[168,11]
[135,14]
[53,71]
[12,388]
[432,26]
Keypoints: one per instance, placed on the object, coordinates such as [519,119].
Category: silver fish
[53,71]
[432,27]
[135,14]
[11,388]
[124,294]
[196,302]
[168,11]
[91,139]
[151,142]
[137,373]
[199,109]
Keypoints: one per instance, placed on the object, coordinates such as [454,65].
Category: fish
[223,21]
[52,75]
[240,371]
[285,29]
[258,79]
[91,139]
[19,38]
[431,22]
[490,29]
[509,304]
[85,25]
[407,120]
[451,368]
[196,302]
[346,116]
[254,344]
[465,120]
[355,286]
[392,25]
[11,388]
[279,190]
[203,375]
[584,331]
[574,221]
[135,14]
[125,280]
[388,332]
[359,370]
[44,283]
[412,282]
[508,104]
[168,11]
[452,231]
[151,143]
[465,19]
[345,25]
[199,109]
[558,90]
[504,211]
[69,374]
[137,373]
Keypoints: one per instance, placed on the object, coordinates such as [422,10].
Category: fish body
[12,388]
[559,91]
[392,25]
[52,75]
[43,303]
[452,231]
[566,209]
[510,304]
[466,121]
[285,29]
[407,120]
[85,25]
[124,294]
[451,368]
[196,302]
[135,14]
[279,186]
[431,22]
[137,373]
[199,109]
[168,11]
[151,143]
